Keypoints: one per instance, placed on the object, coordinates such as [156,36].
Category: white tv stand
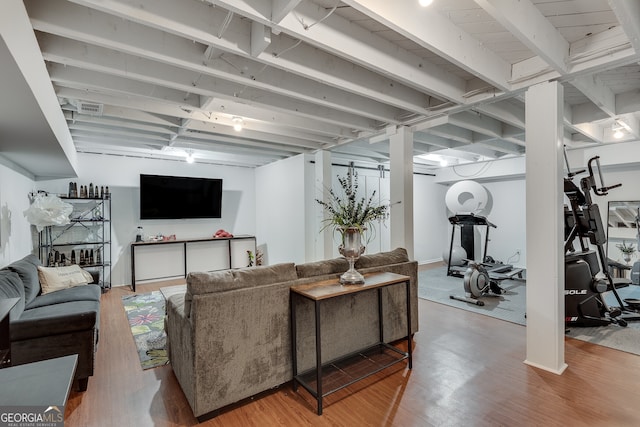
[170,259]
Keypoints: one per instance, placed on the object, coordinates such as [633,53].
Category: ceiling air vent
[90,108]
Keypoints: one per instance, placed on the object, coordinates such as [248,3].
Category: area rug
[145,313]
[614,336]
[434,285]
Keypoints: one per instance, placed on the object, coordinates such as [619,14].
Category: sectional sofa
[55,324]
[229,334]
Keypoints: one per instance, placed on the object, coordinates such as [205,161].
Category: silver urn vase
[351,248]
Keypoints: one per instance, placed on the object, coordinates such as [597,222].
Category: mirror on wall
[622,236]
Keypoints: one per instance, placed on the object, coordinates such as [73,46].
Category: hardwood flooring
[468,370]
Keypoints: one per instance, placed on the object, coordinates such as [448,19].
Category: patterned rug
[146,318]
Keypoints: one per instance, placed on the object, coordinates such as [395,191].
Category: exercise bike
[477,283]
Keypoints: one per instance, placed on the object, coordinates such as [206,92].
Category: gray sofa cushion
[11,287]
[225,280]
[264,275]
[220,281]
[56,319]
[395,256]
[27,269]
[77,293]
[320,268]
[203,283]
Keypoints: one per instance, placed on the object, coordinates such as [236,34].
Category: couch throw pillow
[57,278]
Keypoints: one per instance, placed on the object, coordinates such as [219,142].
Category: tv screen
[178,197]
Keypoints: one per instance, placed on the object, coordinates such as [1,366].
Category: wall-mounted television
[179,197]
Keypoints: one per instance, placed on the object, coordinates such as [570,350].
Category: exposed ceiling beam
[198,22]
[527,24]
[121,122]
[593,88]
[598,52]
[438,34]
[104,60]
[628,14]
[175,110]
[281,8]
[337,35]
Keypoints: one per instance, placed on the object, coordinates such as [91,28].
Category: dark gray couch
[56,324]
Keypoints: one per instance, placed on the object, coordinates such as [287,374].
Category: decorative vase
[626,256]
[351,248]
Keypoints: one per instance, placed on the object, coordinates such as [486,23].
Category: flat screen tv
[179,197]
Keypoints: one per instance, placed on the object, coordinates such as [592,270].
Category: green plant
[347,210]
[626,249]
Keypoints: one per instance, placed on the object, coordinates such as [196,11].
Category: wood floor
[467,371]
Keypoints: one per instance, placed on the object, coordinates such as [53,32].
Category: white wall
[281,206]
[16,236]
[430,222]
[509,215]
[504,179]
[122,175]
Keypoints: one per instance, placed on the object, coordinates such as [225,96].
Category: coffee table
[45,383]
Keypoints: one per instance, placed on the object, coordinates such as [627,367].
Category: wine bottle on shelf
[98,257]
[86,256]
[81,257]
[73,256]
[91,257]
[90,190]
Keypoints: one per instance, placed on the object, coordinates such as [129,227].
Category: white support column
[545,234]
[401,176]
[324,241]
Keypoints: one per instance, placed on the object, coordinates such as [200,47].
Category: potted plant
[627,250]
[351,216]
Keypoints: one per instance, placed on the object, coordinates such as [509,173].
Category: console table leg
[408,290]
[318,359]
[294,356]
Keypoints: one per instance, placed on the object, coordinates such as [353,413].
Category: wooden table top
[331,288]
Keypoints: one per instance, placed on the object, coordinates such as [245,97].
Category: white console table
[159,260]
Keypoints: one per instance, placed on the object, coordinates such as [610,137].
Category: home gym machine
[467,224]
[585,304]
[480,278]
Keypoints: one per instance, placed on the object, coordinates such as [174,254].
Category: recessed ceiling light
[190,158]
[237,124]
[425,3]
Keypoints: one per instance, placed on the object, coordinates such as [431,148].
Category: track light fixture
[617,129]
[237,124]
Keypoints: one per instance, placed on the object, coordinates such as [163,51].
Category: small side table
[328,289]
[6,305]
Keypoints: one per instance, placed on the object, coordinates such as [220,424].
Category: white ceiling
[169,76]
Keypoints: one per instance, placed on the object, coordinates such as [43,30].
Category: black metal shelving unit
[89,231]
